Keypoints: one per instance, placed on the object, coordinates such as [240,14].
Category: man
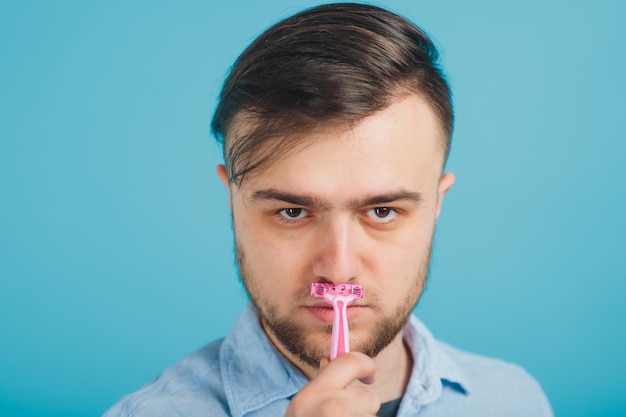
[336,126]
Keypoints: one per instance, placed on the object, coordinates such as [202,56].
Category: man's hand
[328,394]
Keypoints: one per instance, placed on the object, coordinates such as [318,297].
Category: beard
[293,336]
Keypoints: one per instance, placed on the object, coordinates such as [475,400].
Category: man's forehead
[264,152]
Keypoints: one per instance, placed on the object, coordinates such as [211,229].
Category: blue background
[115,242]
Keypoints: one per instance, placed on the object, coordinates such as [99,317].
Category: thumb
[324,362]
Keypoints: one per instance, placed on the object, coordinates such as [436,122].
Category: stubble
[293,337]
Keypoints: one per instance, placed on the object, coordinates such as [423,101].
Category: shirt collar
[255,374]
[432,366]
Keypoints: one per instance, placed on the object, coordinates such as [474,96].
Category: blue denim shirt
[244,375]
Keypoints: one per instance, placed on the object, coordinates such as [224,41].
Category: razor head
[318,289]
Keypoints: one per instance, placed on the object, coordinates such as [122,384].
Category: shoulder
[496,381]
[190,387]
[478,368]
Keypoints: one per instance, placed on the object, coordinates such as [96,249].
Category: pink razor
[340,296]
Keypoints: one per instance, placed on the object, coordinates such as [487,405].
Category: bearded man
[336,126]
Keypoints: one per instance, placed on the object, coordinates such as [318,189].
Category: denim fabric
[244,375]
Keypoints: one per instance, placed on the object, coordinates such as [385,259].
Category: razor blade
[318,289]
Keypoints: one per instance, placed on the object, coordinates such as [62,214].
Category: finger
[347,368]
[365,398]
[359,401]
[324,362]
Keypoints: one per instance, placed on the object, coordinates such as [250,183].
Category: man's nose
[338,251]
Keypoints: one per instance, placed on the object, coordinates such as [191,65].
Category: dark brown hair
[325,67]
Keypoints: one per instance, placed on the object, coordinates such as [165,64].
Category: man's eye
[384,214]
[293,213]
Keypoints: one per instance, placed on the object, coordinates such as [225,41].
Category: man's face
[356,205]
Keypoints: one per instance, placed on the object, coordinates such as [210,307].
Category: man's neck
[393,370]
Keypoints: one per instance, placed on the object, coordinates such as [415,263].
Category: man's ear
[223,175]
[221,172]
[445,183]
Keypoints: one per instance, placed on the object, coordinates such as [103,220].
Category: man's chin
[309,345]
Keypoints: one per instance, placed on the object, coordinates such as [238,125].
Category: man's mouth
[325,313]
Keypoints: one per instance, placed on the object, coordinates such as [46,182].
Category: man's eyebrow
[387,198]
[295,199]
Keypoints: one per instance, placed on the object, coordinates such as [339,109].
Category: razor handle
[340,340]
